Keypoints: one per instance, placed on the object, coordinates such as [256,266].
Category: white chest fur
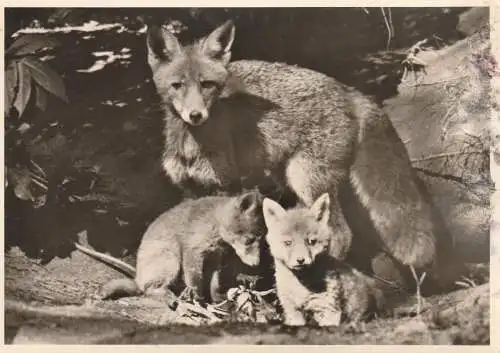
[289,287]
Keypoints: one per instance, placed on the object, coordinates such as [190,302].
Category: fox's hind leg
[158,268]
[309,179]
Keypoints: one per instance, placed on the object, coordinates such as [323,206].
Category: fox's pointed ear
[217,44]
[321,208]
[162,45]
[250,202]
[273,212]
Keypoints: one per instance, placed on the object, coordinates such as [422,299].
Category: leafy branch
[27,79]
[24,70]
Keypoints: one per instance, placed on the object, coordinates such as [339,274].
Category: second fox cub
[203,243]
[232,124]
[309,282]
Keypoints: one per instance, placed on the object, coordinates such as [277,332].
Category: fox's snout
[300,260]
[194,117]
[192,113]
[303,261]
[249,255]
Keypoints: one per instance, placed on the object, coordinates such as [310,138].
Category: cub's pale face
[296,237]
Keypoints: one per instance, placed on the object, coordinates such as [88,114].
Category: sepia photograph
[248,175]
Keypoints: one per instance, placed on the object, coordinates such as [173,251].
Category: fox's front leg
[193,275]
[325,309]
[175,170]
[216,172]
[293,316]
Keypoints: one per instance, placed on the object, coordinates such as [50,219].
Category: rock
[443,119]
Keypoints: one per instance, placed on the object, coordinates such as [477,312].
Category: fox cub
[231,125]
[207,241]
[310,283]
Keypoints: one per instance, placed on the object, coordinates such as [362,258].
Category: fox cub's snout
[243,226]
[297,236]
[191,78]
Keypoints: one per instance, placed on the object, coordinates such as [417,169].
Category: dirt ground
[459,318]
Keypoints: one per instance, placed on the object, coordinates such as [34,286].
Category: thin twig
[39,184]
[444,155]
[39,180]
[38,168]
[419,283]
[388,26]
[389,12]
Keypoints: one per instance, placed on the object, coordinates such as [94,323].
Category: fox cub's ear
[250,202]
[217,45]
[162,45]
[273,212]
[321,208]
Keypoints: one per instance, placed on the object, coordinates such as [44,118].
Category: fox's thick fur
[201,244]
[233,124]
[309,282]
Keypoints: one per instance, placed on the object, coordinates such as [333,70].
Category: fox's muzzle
[249,255]
[192,107]
[194,117]
[300,257]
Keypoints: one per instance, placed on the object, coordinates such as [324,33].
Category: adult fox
[232,124]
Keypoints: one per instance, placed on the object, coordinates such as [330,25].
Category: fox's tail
[108,260]
[387,186]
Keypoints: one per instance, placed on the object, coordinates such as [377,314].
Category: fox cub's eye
[208,84]
[312,241]
[287,242]
[250,240]
[176,85]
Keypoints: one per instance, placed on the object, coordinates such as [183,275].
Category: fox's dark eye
[287,242]
[250,240]
[208,84]
[176,85]
[312,241]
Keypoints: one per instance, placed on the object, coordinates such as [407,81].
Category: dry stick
[39,184]
[419,283]
[444,155]
[388,26]
[39,178]
[466,282]
[389,12]
[38,167]
[197,309]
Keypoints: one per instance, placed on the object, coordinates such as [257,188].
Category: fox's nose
[300,260]
[195,116]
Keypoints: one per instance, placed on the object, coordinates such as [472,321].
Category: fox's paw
[327,318]
[294,317]
[324,310]
[294,321]
[320,302]
[191,295]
